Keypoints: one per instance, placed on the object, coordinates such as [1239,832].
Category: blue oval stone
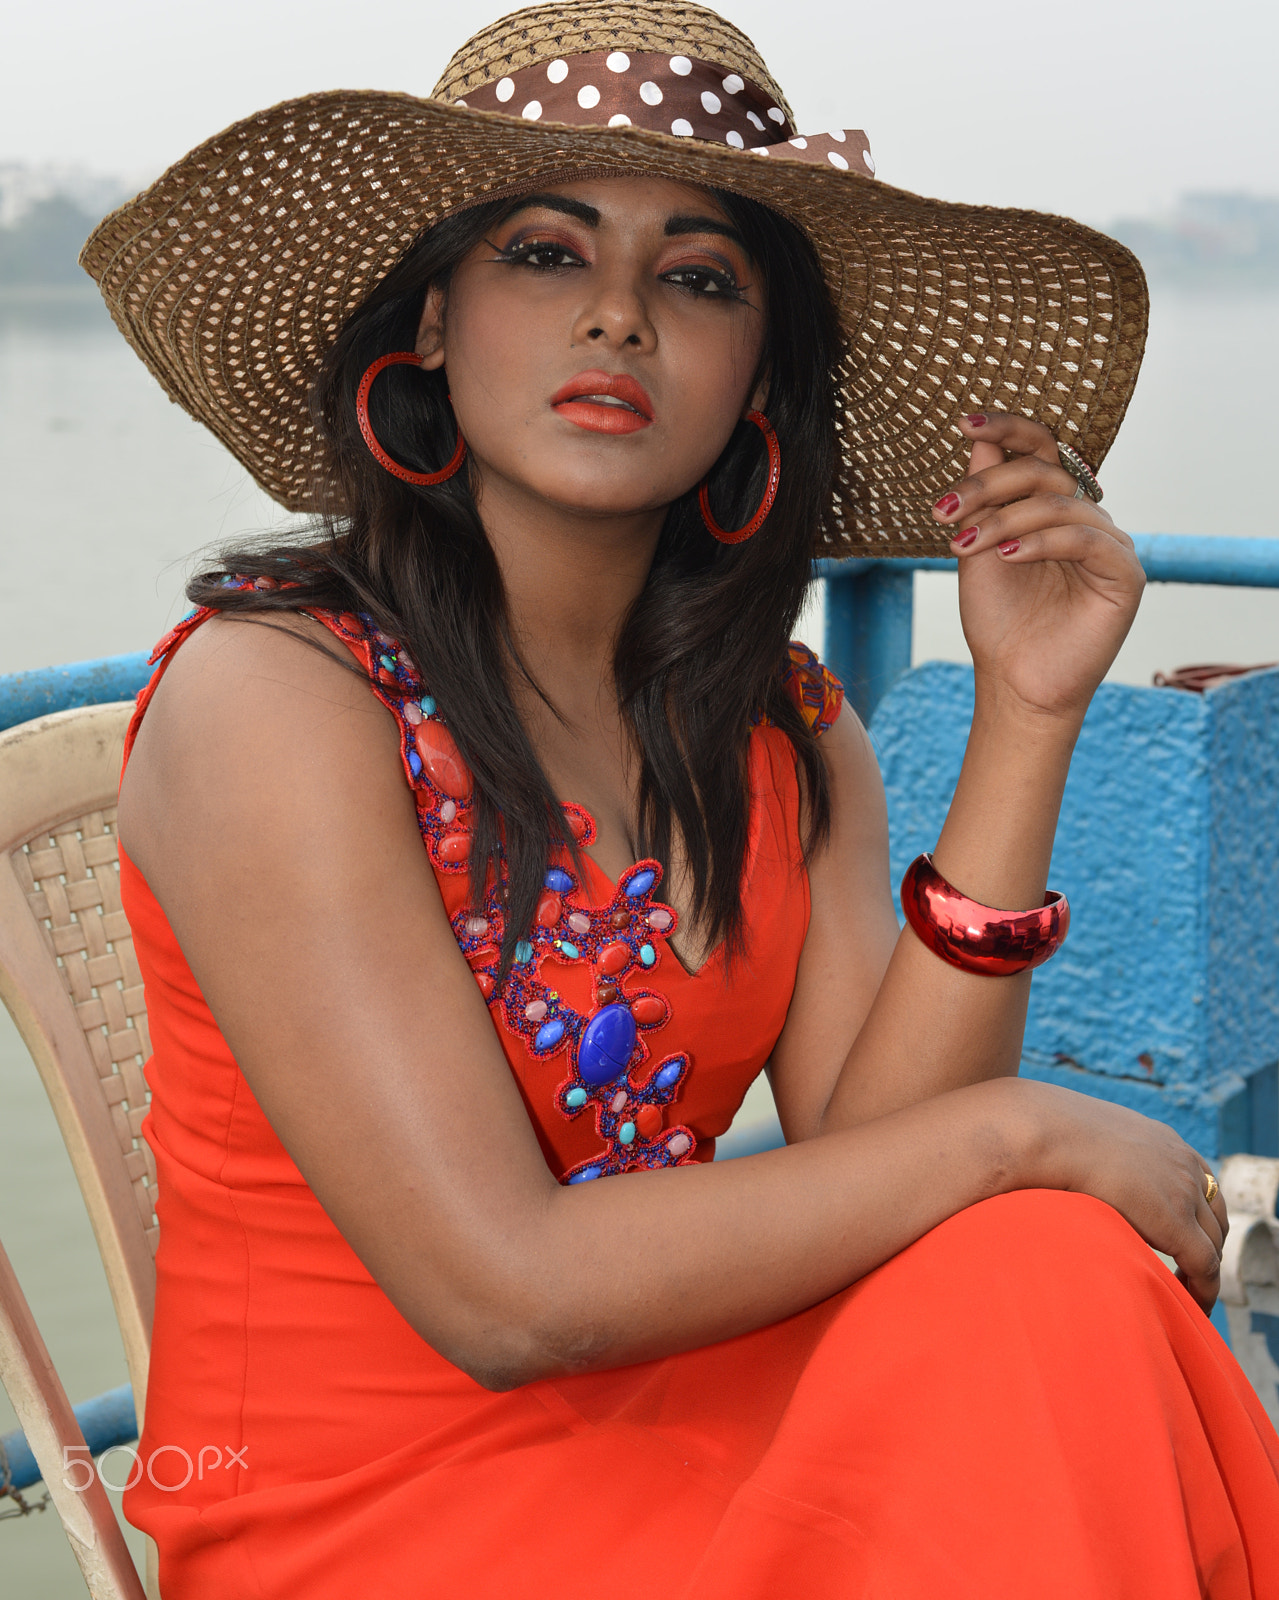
[626,1133]
[428,705]
[549,1034]
[558,880]
[567,948]
[586,1174]
[604,1051]
[388,662]
[647,954]
[576,1097]
[415,763]
[523,951]
[668,1075]
[640,884]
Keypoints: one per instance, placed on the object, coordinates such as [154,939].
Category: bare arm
[884,1023]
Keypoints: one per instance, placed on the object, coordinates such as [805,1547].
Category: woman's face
[601,344]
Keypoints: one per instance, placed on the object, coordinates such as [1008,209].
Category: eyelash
[522,254]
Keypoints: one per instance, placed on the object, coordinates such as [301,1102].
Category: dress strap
[816,691]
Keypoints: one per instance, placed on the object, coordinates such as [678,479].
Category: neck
[570,579]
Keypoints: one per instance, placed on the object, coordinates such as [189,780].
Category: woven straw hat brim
[232,274]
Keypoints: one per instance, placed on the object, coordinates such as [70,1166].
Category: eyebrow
[675,226]
[556,202]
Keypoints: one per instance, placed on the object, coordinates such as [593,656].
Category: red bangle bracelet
[978,938]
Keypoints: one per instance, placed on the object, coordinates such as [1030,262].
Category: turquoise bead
[523,951]
[428,706]
[569,950]
[647,954]
[626,1133]
[576,1097]
[388,662]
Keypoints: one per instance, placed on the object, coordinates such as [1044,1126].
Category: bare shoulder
[856,788]
[253,715]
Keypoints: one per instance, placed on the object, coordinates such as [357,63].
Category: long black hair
[699,658]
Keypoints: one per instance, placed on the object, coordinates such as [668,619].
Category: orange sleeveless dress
[1025,1403]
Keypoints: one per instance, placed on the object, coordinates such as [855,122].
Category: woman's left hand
[1048,585]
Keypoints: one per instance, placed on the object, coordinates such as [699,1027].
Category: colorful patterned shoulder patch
[814,688]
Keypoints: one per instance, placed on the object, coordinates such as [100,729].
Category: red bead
[620,918]
[454,848]
[485,981]
[648,1121]
[549,909]
[648,1010]
[614,957]
[442,760]
[425,798]
[606,994]
[578,826]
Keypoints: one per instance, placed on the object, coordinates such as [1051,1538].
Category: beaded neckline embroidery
[605,1055]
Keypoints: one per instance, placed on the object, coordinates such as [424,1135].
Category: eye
[542,255]
[704,280]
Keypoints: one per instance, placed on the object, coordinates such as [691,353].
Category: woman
[445,1269]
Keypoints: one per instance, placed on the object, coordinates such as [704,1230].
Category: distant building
[22,187]
[46,214]
[1217,240]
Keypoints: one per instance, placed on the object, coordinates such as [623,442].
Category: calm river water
[106,491]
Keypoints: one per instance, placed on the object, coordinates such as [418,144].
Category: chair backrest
[69,976]
[53,1434]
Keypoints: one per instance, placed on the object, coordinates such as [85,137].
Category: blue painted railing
[869,616]
[106,1421]
[869,605]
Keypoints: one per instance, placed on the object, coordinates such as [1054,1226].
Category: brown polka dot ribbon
[666,94]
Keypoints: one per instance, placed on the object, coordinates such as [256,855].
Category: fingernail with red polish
[1011,548]
[947,504]
[977,420]
[965,538]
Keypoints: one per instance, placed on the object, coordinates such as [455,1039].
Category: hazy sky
[1091,107]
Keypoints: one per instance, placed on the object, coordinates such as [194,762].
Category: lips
[604,402]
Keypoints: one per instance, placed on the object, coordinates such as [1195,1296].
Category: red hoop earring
[422,479]
[770,490]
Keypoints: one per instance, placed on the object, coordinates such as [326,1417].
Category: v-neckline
[691,973]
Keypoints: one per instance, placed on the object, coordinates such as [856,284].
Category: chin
[604,494]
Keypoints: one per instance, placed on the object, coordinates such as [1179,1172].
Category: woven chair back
[70,978]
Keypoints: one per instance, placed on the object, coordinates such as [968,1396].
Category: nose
[614,313]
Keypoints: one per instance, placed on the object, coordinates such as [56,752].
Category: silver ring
[1084,476]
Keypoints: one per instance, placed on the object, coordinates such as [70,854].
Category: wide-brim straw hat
[233,272]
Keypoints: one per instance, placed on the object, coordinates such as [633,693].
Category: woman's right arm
[266,807]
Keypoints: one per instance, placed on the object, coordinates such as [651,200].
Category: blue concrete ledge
[106,1420]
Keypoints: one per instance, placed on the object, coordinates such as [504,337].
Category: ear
[430,331]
